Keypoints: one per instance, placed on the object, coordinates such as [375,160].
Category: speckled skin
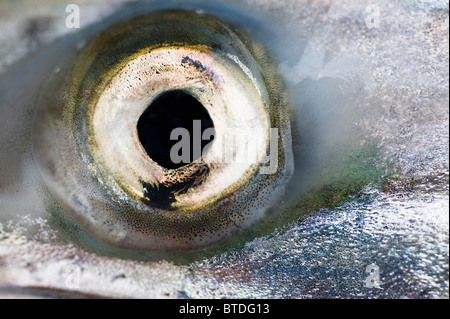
[354,86]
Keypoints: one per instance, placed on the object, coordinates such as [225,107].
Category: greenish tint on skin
[336,186]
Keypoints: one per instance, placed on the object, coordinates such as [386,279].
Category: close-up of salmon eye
[224,149]
[118,145]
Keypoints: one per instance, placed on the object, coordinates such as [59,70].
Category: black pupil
[171,110]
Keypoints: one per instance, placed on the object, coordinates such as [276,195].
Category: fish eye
[169,131]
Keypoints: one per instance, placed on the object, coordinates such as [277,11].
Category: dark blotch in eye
[175,183]
[197,64]
[171,110]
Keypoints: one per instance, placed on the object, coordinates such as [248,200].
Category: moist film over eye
[171,130]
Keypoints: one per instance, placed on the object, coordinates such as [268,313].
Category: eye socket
[102,142]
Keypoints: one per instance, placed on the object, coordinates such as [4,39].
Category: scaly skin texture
[371,180]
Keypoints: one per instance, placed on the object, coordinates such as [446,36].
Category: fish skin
[402,228]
